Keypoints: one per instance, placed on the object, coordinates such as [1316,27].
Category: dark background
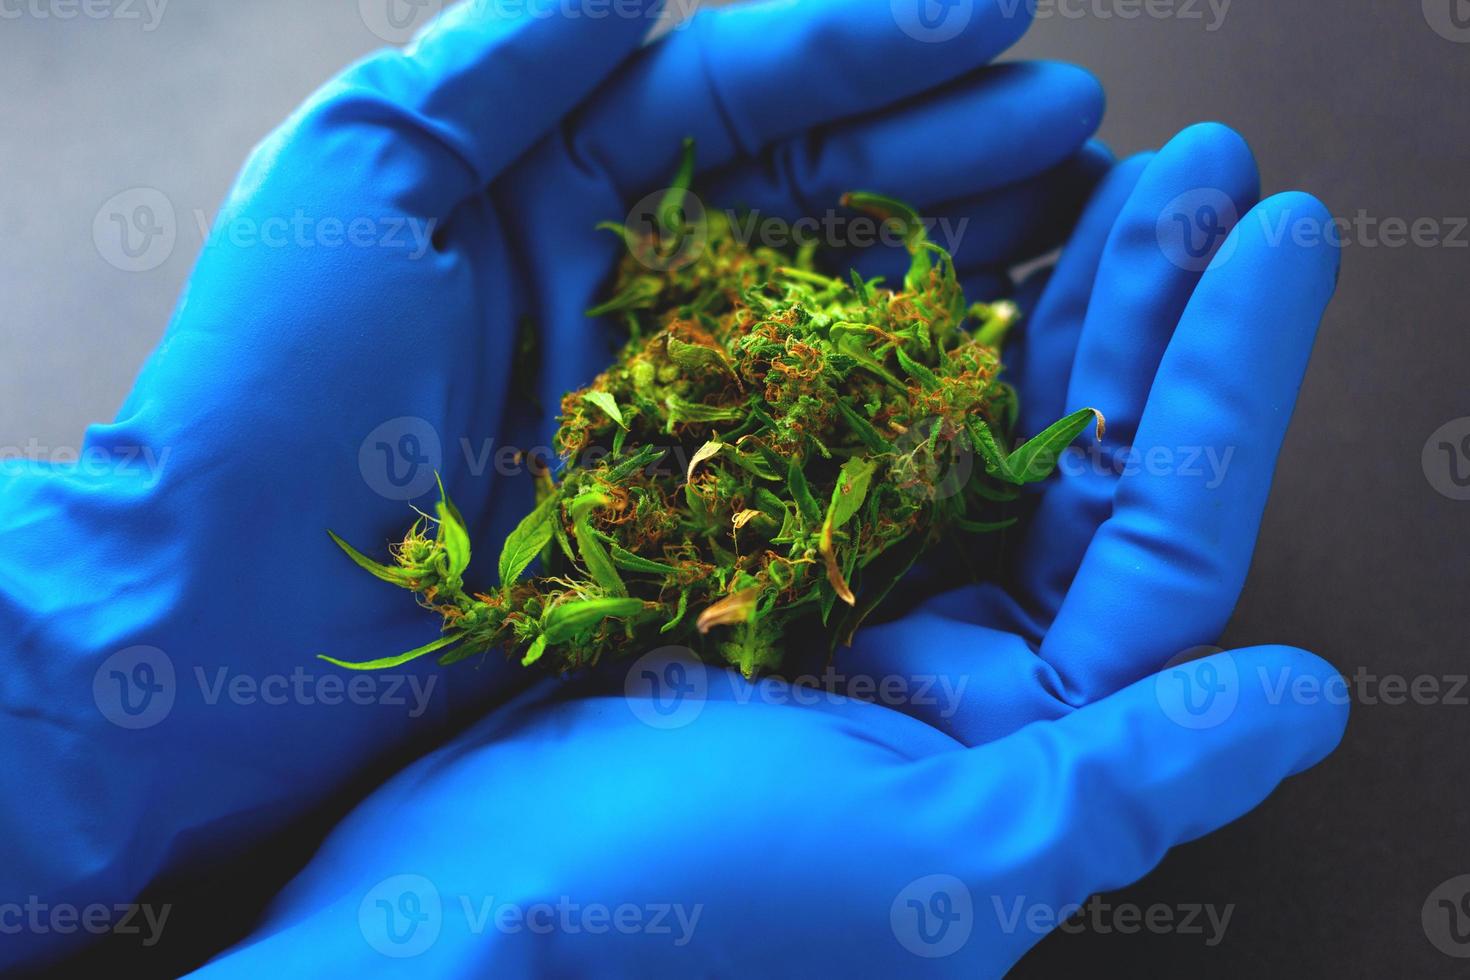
[1360,559]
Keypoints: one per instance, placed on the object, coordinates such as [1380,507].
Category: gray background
[1360,558]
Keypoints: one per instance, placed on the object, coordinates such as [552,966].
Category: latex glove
[352,327]
[686,822]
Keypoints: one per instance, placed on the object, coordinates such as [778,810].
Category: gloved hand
[993,759]
[352,327]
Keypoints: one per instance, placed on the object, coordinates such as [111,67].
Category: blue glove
[354,325]
[969,773]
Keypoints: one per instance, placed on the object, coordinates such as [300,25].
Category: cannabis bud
[818,425]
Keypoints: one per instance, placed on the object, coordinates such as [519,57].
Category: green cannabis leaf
[527,541]
[753,387]
[608,404]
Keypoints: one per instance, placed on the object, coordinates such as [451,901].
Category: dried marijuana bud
[771,451]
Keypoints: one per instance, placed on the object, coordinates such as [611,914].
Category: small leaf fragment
[734,608]
[864,429]
[707,451]
[697,357]
[529,538]
[801,491]
[608,404]
[671,210]
[626,559]
[1035,459]
[388,573]
[564,620]
[851,490]
[594,554]
[533,654]
[681,410]
[454,537]
[679,612]
[925,377]
[402,658]
[834,571]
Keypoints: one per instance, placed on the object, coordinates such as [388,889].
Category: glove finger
[740,77]
[1039,357]
[439,107]
[1142,285]
[1060,811]
[998,228]
[1164,572]
[927,151]
[928,660]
